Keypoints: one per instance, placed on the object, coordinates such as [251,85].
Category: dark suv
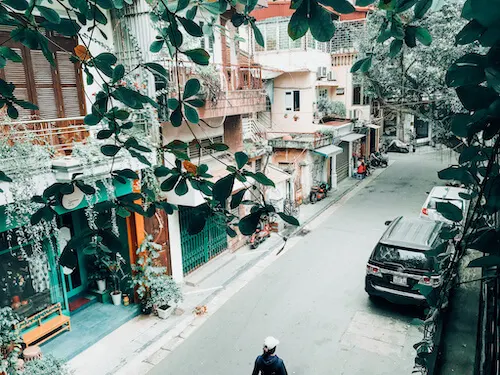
[398,262]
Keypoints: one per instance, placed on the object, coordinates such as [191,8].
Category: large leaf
[191,27]
[357,65]
[110,150]
[176,117]
[397,30]
[223,188]
[157,69]
[298,24]
[198,56]
[289,219]
[4,177]
[261,178]
[170,182]
[217,147]
[341,6]
[487,12]
[486,241]
[476,97]
[191,88]
[241,159]
[181,188]
[449,211]
[486,261]
[395,48]
[423,36]
[156,46]
[17,4]
[320,23]
[460,125]
[197,222]
[49,14]
[258,34]
[191,114]
[467,70]
[10,54]
[422,7]
[237,198]
[249,223]
[364,3]
[469,33]
[404,5]
[493,78]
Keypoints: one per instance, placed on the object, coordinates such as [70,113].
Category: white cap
[270,342]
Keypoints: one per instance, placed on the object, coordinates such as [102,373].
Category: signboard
[73,200]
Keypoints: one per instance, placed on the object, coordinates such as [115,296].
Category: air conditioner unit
[331,76]
[321,72]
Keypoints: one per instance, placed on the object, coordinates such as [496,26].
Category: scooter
[261,234]
[378,160]
[318,192]
[397,146]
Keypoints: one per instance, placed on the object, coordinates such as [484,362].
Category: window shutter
[45,90]
[15,73]
[68,78]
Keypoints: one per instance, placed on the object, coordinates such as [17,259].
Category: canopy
[373,126]
[351,137]
[328,151]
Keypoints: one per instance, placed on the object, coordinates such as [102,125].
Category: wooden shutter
[16,73]
[47,102]
[68,79]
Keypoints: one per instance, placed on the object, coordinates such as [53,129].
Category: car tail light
[424,211]
[373,270]
[430,280]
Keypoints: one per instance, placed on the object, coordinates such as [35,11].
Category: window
[161,85]
[288,101]
[284,39]
[58,91]
[271,29]
[258,165]
[296,101]
[207,40]
[268,103]
[194,150]
[406,258]
[358,96]
[323,93]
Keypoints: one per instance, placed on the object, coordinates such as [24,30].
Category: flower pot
[164,311]
[101,285]
[116,297]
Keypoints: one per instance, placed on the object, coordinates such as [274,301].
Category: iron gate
[198,249]
[342,167]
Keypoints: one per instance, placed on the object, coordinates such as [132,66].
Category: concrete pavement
[312,297]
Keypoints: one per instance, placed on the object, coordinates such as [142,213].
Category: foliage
[409,76]
[329,107]
[47,365]
[97,270]
[10,342]
[211,89]
[153,286]
[114,267]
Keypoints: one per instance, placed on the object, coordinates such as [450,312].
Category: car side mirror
[427,192]
[388,222]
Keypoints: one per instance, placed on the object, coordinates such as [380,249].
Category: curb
[158,349]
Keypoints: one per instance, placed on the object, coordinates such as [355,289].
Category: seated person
[362,169]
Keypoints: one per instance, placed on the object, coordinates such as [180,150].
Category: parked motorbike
[397,146]
[318,192]
[378,160]
[262,233]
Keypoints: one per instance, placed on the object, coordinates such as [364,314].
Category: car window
[433,201]
[406,258]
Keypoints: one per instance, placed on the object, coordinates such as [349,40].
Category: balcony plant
[116,275]
[156,290]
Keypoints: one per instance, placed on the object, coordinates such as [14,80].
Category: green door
[198,249]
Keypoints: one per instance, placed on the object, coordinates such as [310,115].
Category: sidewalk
[144,341]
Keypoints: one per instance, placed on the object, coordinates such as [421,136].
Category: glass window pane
[284,39]
[271,36]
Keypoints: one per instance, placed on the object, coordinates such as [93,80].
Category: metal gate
[342,167]
[198,249]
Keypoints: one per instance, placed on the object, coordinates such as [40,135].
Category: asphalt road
[312,298]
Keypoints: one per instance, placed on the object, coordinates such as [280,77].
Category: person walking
[269,363]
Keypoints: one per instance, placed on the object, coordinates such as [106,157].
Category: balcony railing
[60,134]
[309,141]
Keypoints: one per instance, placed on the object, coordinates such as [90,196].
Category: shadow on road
[406,312]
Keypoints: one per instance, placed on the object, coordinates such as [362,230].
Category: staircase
[254,129]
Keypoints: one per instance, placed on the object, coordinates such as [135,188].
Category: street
[312,298]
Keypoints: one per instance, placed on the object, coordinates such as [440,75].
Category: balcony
[228,89]
[304,141]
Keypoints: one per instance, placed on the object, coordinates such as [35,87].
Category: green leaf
[467,70]
[168,207]
[476,97]
[493,78]
[485,261]
[237,19]
[157,69]
[104,134]
[469,33]
[49,14]
[37,216]
[384,36]
[298,24]
[289,219]
[423,36]
[241,159]
[181,5]
[17,4]
[251,4]
[118,73]
[422,7]
[468,154]
[191,13]
[128,125]
[197,102]
[387,5]
[191,88]
[12,112]
[162,171]
[320,23]
[65,27]
[176,117]
[170,182]
[223,188]
[411,36]
[26,105]
[237,198]
[404,5]
[110,150]
[191,27]
[449,211]
[364,3]
[198,56]
[91,119]
[118,114]
[217,147]
[10,54]
[487,12]
[397,30]
[248,224]
[127,173]
[365,67]
[460,124]
[395,48]
[257,34]
[191,114]
[181,188]
[4,177]
[197,222]
[86,189]
[341,6]
[357,65]
[261,178]
[156,46]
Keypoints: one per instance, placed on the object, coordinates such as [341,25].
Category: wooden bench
[48,323]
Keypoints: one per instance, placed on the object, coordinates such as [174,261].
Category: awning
[328,150]
[352,137]
[276,175]
[373,126]
[269,74]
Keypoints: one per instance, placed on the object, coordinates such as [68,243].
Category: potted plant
[156,290]
[99,273]
[117,275]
